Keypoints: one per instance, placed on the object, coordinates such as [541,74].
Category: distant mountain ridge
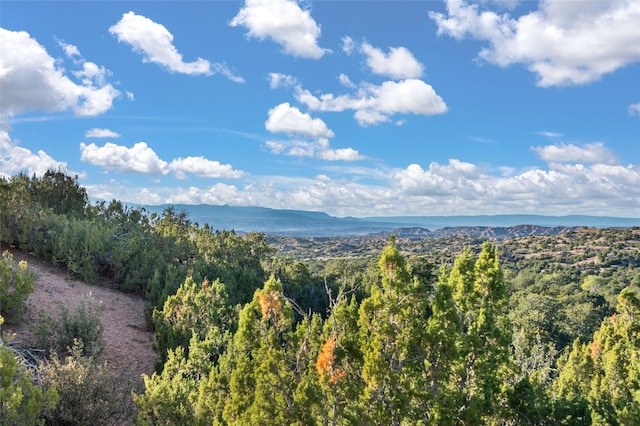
[301,223]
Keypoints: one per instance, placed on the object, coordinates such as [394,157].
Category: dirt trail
[128,347]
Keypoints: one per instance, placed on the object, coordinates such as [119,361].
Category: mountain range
[300,223]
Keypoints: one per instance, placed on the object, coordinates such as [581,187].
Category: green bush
[21,401]
[16,283]
[89,394]
[83,324]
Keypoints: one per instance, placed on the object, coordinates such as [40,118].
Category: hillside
[128,341]
[597,248]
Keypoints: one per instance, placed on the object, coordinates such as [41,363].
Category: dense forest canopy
[533,330]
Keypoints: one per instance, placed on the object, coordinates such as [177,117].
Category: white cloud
[569,153]
[341,154]
[278,80]
[595,189]
[457,187]
[284,118]
[220,68]
[217,194]
[634,109]
[440,180]
[31,80]
[283,21]
[101,133]
[550,135]
[15,159]
[140,158]
[155,43]
[398,64]
[290,120]
[348,45]
[200,166]
[319,148]
[146,197]
[69,49]
[563,42]
[375,104]
[346,81]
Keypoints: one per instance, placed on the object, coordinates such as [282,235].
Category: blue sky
[354,108]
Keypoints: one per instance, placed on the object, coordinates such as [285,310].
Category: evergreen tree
[443,342]
[202,309]
[392,330]
[339,363]
[600,381]
[262,365]
[480,295]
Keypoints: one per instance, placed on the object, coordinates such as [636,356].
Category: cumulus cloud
[399,63]
[101,133]
[147,197]
[31,79]
[562,42]
[374,104]
[15,159]
[634,109]
[570,153]
[309,136]
[155,43]
[141,158]
[203,167]
[340,154]
[595,189]
[285,118]
[284,22]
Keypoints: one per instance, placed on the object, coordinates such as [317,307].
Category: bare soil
[128,349]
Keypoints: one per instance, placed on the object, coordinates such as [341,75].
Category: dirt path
[128,344]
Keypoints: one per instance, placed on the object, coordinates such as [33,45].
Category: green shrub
[21,401]
[16,283]
[89,394]
[83,323]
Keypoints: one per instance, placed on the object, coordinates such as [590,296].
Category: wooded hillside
[255,329]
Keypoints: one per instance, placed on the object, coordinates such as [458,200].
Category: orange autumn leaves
[270,304]
[326,361]
[271,307]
